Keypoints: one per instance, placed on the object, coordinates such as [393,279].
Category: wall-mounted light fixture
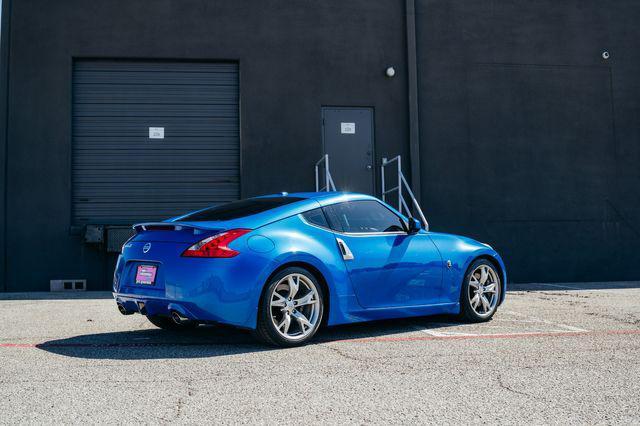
[390,72]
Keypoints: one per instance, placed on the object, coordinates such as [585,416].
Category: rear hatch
[154,251]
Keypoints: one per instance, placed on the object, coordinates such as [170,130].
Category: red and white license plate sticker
[146,274]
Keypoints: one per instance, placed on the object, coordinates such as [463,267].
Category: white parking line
[529,318]
[436,329]
[435,333]
[561,286]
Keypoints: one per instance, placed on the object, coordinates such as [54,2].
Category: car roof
[305,201]
[325,198]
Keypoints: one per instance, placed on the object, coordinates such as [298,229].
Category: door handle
[344,249]
[369,167]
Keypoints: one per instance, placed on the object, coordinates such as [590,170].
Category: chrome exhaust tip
[178,318]
[123,310]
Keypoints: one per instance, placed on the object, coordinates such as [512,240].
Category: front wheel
[291,308]
[480,292]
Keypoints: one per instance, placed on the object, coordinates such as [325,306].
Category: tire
[482,280]
[304,308]
[167,323]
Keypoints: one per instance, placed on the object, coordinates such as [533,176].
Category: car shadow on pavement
[213,341]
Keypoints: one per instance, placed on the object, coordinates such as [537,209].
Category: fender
[461,252]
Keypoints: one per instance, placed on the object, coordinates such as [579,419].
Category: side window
[362,217]
[316,217]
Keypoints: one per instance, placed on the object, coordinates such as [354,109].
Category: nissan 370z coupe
[282,265]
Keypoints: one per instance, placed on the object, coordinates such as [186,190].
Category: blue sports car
[283,265]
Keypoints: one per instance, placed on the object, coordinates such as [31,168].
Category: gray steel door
[153,139]
[348,139]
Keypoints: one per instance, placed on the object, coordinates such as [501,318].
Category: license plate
[146,274]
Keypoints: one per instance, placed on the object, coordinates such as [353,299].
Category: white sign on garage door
[156,132]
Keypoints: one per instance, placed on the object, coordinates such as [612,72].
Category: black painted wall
[294,57]
[530,140]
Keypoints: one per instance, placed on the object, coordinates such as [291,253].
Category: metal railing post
[402,204]
[326,170]
[415,203]
[328,180]
[384,163]
[400,185]
[331,186]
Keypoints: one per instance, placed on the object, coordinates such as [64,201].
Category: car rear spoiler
[167,226]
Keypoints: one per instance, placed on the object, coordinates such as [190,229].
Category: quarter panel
[297,242]
[219,288]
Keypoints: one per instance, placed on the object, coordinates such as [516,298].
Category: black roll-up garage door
[153,139]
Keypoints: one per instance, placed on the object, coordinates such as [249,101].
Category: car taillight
[216,246]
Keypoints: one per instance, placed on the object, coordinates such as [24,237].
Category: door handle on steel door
[344,249]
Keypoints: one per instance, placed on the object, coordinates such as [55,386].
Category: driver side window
[362,217]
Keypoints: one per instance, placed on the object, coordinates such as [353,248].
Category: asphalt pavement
[553,354]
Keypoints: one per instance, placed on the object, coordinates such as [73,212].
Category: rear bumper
[146,305]
[217,298]
[206,290]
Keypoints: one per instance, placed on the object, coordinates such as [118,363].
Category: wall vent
[117,236]
[68,285]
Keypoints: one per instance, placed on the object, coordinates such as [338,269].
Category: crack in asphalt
[509,388]
[180,403]
[342,353]
[632,321]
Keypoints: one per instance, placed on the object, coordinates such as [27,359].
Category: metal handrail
[402,204]
[328,180]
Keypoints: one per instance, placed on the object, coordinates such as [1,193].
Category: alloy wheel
[294,306]
[484,285]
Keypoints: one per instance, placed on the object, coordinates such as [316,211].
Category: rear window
[238,209]
[316,217]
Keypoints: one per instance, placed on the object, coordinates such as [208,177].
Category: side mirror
[414,225]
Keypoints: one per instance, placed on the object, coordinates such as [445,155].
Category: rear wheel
[291,308]
[480,292]
[167,323]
